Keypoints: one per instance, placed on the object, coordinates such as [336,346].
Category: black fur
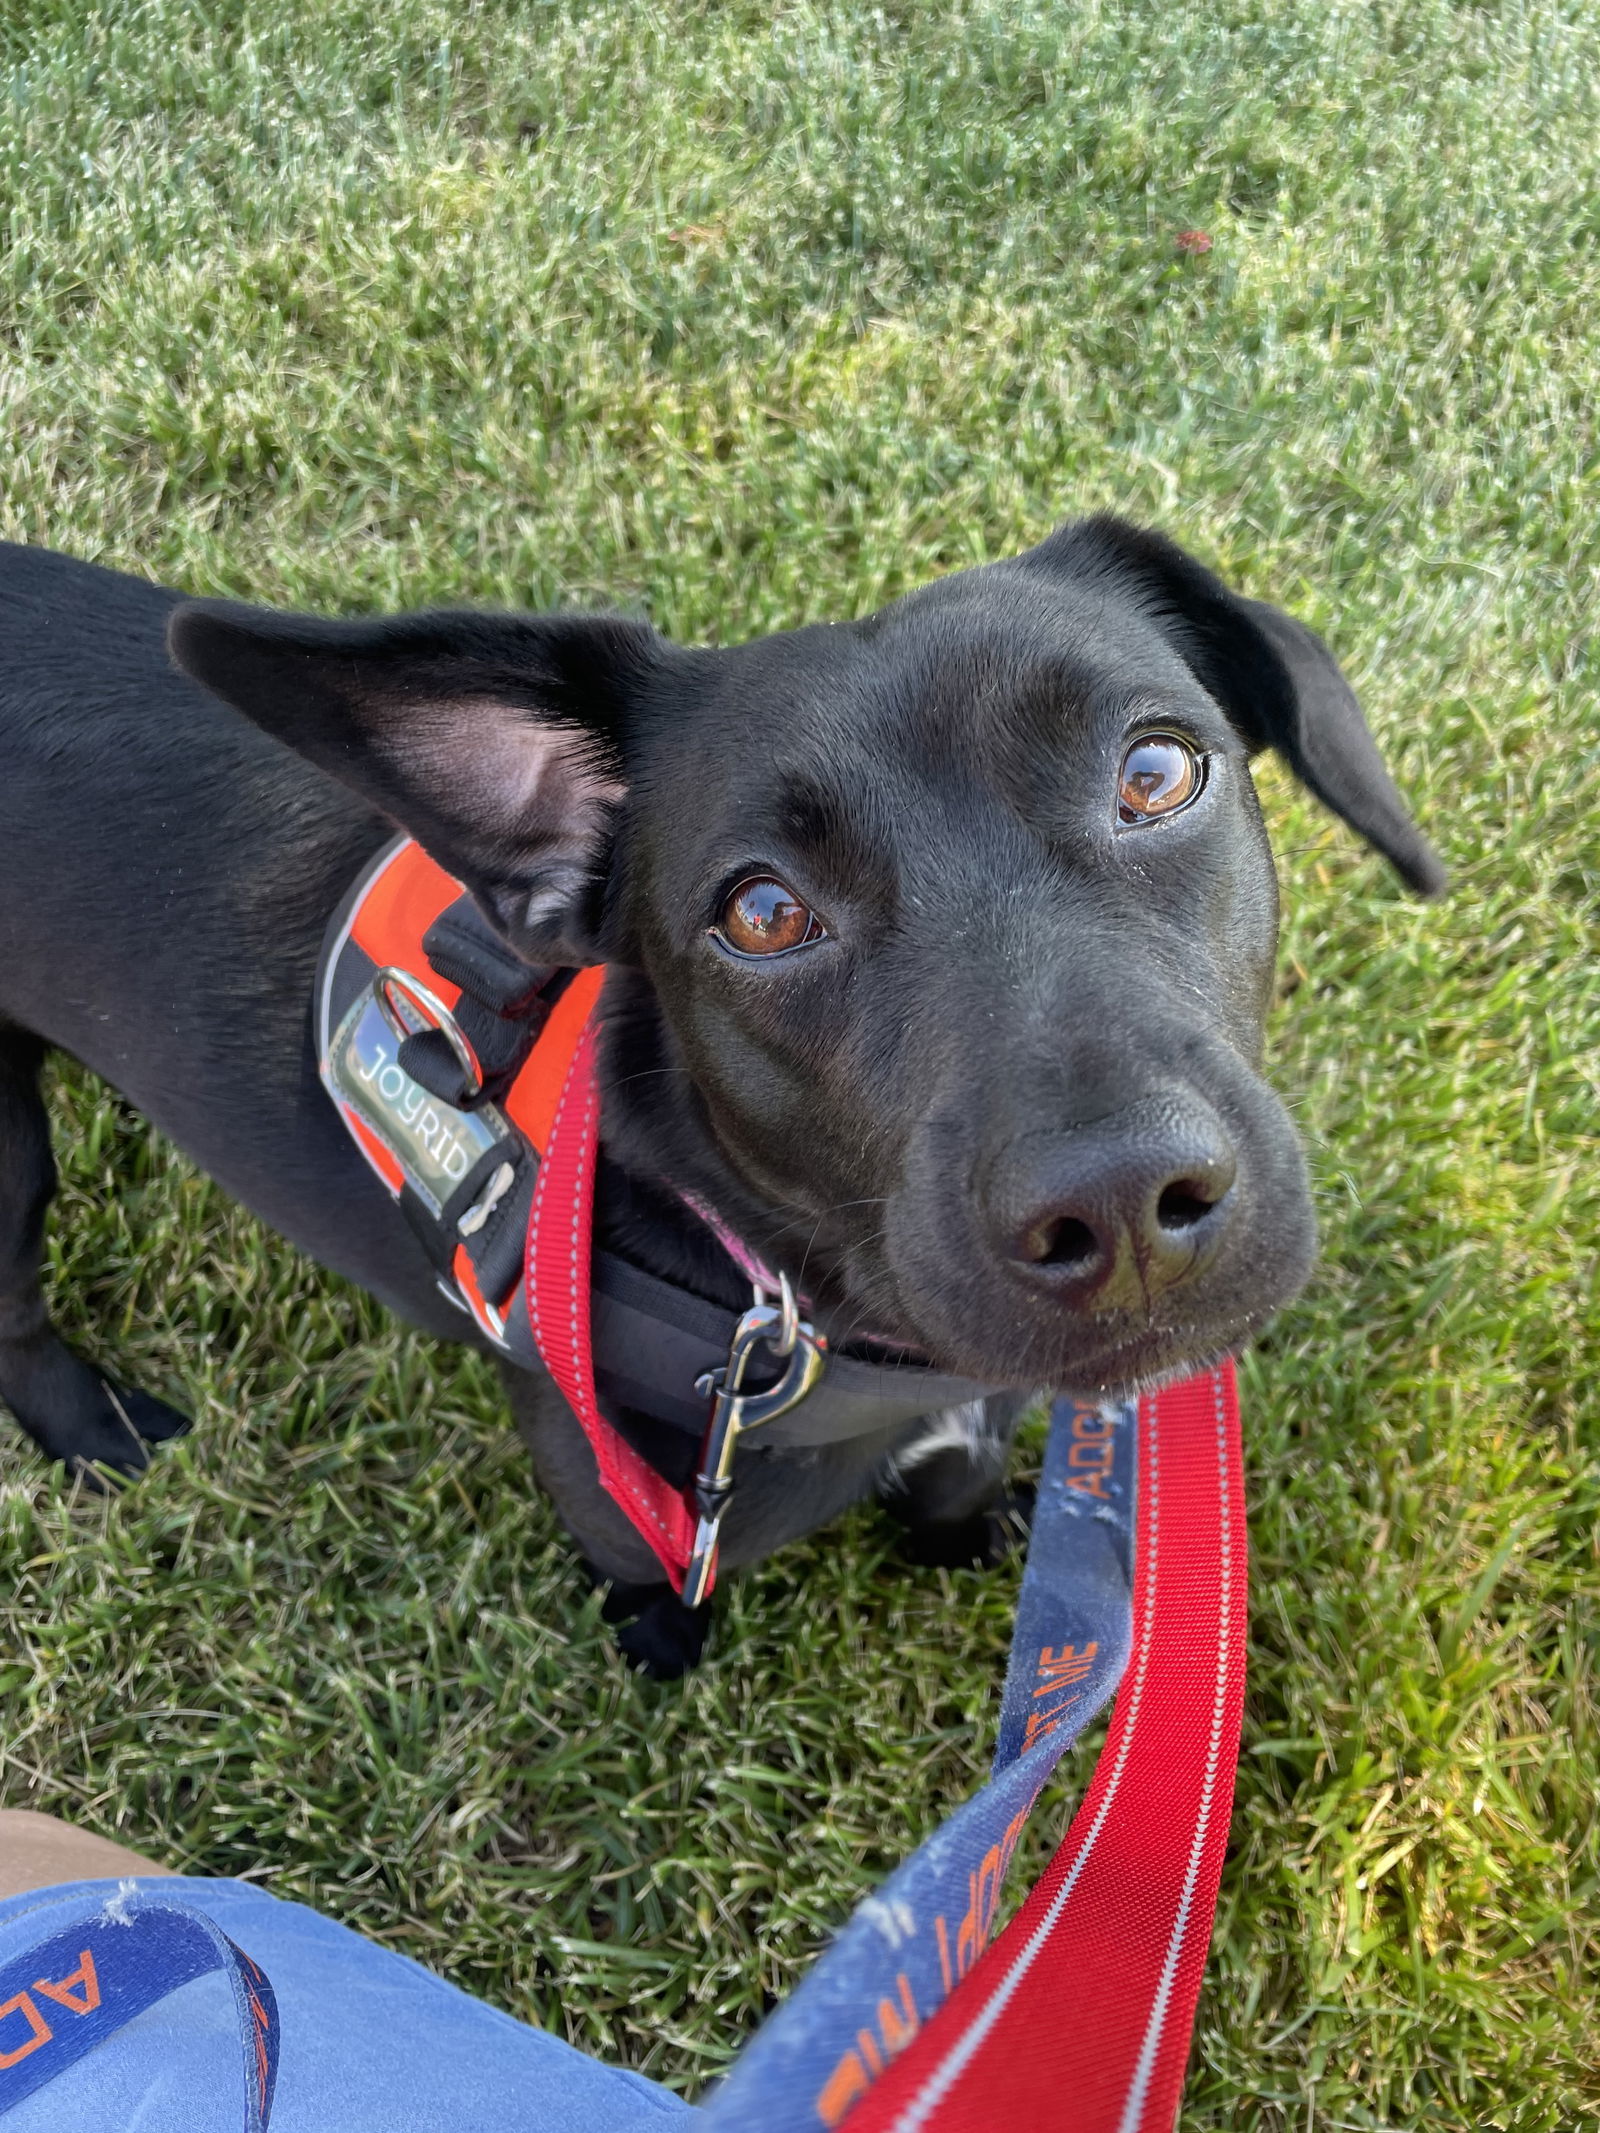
[961,1121]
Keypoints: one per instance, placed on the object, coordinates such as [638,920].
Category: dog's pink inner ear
[525,803]
[504,774]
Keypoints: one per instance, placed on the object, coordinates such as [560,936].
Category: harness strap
[556,1284]
[503,1007]
[652,1340]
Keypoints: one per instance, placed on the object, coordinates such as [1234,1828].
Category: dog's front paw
[112,1437]
[152,1419]
[100,1433]
[979,1541]
[656,1633]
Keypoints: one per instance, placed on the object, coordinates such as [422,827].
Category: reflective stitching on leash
[1144,2068]
[588,1408]
[530,1272]
[944,2077]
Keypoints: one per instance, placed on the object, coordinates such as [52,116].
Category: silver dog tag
[434,1144]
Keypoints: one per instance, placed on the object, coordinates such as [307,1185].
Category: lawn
[741,316]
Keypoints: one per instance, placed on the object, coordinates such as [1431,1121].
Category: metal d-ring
[432,1013]
[789,1322]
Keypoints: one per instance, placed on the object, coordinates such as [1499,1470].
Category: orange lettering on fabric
[1089,1485]
[263,2069]
[1042,1722]
[980,1907]
[83,1976]
[1057,1669]
[969,1934]
[898,2025]
[40,2028]
[983,1896]
[942,1935]
[845,2086]
[864,2062]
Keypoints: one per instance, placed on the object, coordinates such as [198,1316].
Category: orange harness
[468,1082]
[382,926]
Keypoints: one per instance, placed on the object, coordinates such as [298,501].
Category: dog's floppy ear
[1276,679]
[496,740]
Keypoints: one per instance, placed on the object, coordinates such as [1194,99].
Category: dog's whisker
[827,1213]
[625,1081]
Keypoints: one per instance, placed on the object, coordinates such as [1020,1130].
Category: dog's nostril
[1185,1203]
[1068,1243]
[1108,1215]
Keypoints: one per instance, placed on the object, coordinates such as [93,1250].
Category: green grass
[743,316]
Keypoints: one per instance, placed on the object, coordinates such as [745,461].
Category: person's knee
[38,1850]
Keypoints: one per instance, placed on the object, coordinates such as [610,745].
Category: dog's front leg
[68,1410]
[948,1486]
[655,1631]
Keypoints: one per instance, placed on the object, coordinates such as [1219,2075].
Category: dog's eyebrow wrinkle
[830,832]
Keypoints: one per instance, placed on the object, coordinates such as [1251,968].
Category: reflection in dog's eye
[762,917]
[1160,774]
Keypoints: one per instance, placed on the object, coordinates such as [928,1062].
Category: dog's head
[943,940]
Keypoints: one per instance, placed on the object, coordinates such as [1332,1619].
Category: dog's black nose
[1110,1214]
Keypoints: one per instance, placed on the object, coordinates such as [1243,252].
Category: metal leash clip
[779,1328]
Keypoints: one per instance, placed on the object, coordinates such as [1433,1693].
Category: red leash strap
[1077,2020]
[560,1232]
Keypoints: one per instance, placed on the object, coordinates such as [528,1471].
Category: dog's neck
[659,1164]
[641,1219]
[657,1157]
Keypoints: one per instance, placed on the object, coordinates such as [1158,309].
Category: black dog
[940,946]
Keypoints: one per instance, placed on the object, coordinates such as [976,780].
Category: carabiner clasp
[780,1329]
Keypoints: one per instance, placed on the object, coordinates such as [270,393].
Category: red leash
[560,1236]
[1077,2019]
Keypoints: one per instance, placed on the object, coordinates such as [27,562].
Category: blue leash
[72,1992]
[910,1944]
[893,1965]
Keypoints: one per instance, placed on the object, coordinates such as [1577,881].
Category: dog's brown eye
[1160,774]
[762,917]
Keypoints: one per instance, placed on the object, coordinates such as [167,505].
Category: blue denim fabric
[372,2042]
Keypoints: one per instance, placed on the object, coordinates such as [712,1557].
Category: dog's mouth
[1122,1365]
[851,1334]
[1113,1359]
[1092,1258]
[944,1310]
